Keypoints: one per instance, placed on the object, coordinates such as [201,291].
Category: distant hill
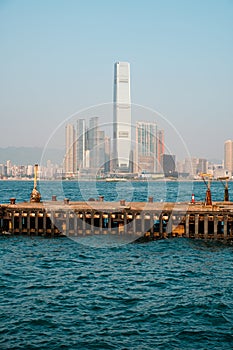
[30,155]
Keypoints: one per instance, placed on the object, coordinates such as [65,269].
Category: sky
[57,58]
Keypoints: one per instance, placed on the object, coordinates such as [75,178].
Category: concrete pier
[151,220]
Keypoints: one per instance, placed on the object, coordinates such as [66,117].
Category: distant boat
[115,179]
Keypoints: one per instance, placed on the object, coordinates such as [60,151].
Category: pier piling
[153,220]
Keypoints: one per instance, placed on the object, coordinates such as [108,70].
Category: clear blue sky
[57,57]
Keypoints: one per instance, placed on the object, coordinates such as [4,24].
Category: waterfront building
[169,165]
[191,166]
[30,170]
[228,156]
[202,166]
[9,168]
[70,156]
[3,170]
[146,147]
[121,116]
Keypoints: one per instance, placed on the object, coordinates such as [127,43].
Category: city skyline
[180,57]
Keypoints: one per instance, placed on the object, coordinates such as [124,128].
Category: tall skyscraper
[81,143]
[228,156]
[146,147]
[160,150]
[121,116]
[95,146]
[93,133]
[70,157]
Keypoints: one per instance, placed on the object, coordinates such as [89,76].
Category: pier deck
[152,220]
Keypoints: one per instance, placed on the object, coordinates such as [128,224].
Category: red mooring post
[193,199]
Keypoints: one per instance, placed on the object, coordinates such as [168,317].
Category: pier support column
[142,223]
[92,222]
[134,223]
[109,223]
[75,224]
[101,223]
[67,223]
[36,222]
[52,222]
[29,222]
[161,225]
[169,226]
[206,224]
[125,223]
[84,223]
[225,227]
[196,225]
[12,222]
[152,224]
[187,225]
[215,227]
[20,222]
[231,227]
[44,222]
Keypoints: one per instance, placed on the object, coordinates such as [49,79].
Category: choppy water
[58,294]
[113,191]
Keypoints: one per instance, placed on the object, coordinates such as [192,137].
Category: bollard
[122,202]
[54,198]
[151,199]
[12,200]
[193,199]
[66,200]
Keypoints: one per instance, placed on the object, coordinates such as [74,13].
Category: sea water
[167,294]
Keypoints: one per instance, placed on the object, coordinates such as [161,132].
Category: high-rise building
[146,147]
[228,156]
[160,149]
[81,143]
[92,137]
[107,164]
[202,166]
[121,116]
[9,167]
[100,149]
[70,157]
[95,146]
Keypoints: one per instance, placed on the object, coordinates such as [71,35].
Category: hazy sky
[57,57]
